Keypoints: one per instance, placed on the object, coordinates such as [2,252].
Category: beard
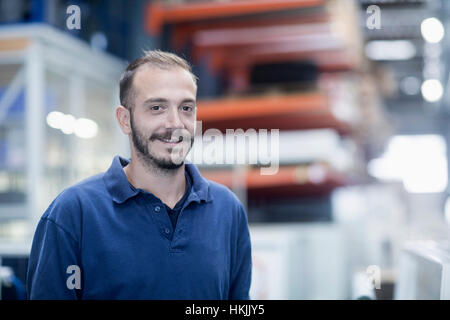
[140,142]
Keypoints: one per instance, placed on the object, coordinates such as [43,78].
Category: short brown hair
[157,58]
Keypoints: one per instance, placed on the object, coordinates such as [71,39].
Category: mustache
[181,134]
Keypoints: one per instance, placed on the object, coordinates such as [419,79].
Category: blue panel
[37,12]
[18,105]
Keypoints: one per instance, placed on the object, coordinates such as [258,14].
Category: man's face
[163,116]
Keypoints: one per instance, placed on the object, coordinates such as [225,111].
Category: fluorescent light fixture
[432,30]
[85,128]
[54,119]
[432,90]
[68,124]
[390,50]
[419,161]
[385,169]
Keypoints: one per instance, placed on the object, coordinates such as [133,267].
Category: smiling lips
[171,142]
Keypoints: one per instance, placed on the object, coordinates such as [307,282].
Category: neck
[167,185]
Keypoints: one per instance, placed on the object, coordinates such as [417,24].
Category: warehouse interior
[351,199]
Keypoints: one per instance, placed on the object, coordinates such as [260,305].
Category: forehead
[175,81]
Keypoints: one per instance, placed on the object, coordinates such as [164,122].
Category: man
[151,227]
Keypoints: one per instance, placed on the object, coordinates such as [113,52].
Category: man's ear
[123,118]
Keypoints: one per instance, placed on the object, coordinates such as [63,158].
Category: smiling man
[150,227]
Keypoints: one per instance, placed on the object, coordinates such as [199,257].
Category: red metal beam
[289,181]
[284,112]
[289,121]
[183,32]
[158,14]
[267,105]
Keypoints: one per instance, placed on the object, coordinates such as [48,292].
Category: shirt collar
[200,186]
[120,189]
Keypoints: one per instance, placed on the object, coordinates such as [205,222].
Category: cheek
[144,126]
[190,123]
[139,130]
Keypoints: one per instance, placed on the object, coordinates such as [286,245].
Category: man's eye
[187,108]
[156,108]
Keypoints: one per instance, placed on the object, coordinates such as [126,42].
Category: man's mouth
[172,141]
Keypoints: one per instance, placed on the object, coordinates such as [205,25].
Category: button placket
[162,220]
[179,239]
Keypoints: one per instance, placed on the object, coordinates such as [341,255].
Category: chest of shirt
[140,248]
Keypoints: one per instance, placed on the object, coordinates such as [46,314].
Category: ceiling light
[390,50]
[54,119]
[85,128]
[432,30]
[432,90]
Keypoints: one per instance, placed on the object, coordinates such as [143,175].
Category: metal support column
[34,131]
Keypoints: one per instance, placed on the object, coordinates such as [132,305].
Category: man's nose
[173,119]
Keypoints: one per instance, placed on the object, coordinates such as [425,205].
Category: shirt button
[167,231]
[157,208]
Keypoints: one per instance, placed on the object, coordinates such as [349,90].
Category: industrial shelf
[271,32]
[158,14]
[44,70]
[244,47]
[182,33]
[289,181]
[284,112]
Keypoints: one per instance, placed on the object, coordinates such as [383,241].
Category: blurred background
[359,207]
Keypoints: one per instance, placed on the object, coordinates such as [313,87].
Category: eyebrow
[162,100]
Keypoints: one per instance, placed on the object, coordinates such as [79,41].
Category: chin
[167,162]
[168,165]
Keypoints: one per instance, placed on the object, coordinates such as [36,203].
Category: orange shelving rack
[284,112]
[291,180]
[158,14]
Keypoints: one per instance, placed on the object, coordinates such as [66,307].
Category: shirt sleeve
[53,267]
[242,266]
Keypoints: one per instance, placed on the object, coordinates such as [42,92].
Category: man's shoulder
[222,193]
[72,198]
[89,185]
[228,204]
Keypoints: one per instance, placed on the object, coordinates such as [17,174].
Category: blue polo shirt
[175,211]
[104,239]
